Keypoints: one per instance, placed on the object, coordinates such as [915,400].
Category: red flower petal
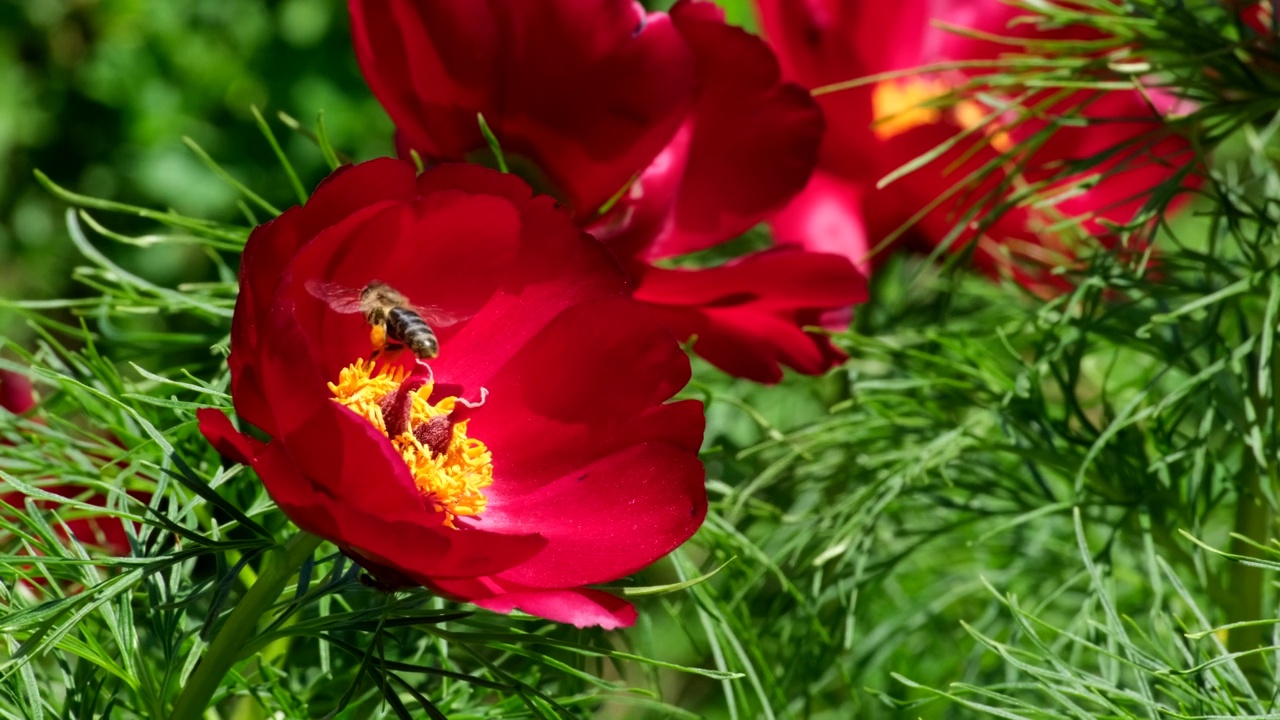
[826,218]
[781,279]
[224,438]
[1257,14]
[557,268]
[418,551]
[431,249]
[476,179]
[750,145]
[613,476]
[590,90]
[605,520]
[825,42]
[581,607]
[752,345]
[747,315]
[569,388]
[821,42]
[677,96]
[341,196]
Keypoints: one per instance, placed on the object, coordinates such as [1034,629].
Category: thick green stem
[241,625]
[1253,521]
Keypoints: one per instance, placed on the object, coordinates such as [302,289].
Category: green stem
[1246,582]
[241,625]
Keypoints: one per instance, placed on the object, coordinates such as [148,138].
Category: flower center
[902,105]
[449,468]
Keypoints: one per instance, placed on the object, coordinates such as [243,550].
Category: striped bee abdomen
[409,329]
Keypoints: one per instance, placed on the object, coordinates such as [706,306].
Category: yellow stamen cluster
[902,105]
[452,480]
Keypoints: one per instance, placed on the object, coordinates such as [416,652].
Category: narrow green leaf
[227,178]
[492,140]
[294,181]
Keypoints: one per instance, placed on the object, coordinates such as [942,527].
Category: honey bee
[393,321]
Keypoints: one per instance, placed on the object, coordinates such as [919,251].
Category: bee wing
[340,298]
[438,317]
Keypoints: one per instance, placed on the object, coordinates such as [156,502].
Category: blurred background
[98,94]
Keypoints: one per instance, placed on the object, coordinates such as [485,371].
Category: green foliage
[99,95]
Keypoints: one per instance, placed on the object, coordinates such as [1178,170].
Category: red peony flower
[683,121]
[877,128]
[535,456]
[107,533]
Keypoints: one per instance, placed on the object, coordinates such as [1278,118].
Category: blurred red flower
[665,135]
[16,394]
[538,453]
[107,533]
[876,128]
[1258,15]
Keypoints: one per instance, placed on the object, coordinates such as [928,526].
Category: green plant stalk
[240,626]
[1246,582]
